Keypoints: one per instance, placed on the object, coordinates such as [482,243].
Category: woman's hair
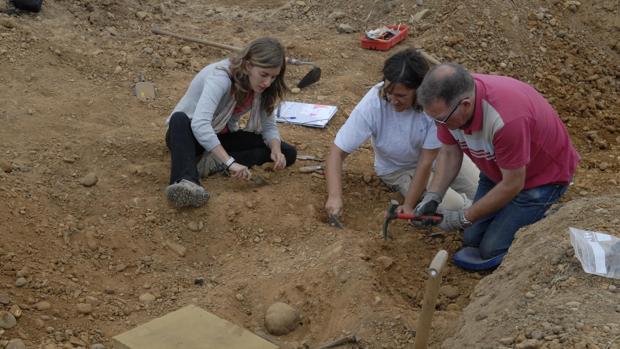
[406,67]
[263,52]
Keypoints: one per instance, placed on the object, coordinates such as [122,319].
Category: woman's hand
[404,208]
[278,159]
[239,171]
[333,206]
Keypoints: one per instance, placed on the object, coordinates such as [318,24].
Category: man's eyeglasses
[445,120]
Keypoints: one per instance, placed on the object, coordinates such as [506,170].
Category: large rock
[281,319]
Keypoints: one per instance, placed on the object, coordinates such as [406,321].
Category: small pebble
[89,180]
[6,166]
[507,340]
[7,320]
[146,298]
[84,308]
[21,282]
[186,50]
[4,299]
[15,344]
[43,305]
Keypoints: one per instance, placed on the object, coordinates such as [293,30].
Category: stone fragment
[507,340]
[7,320]
[15,344]
[4,299]
[145,91]
[186,50]
[344,28]
[281,319]
[89,180]
[91,240]
[84,308]
[336,15]
[21,282]
[42,305]
[16,311]
[386,262]
[193,226]
[176,248]
[450,291]
[420,15]
[529,344]
[6,166]
[146,298]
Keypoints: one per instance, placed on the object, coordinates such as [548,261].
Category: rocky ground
[89,248]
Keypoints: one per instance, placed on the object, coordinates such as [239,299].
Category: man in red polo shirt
[514,136]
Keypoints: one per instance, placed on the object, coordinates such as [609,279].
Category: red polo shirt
[514,126]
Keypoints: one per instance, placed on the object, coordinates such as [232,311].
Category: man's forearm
[493,201]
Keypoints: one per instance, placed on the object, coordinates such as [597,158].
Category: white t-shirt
[397,137]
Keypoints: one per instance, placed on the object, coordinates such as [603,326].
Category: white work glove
[453,220]
[428,205]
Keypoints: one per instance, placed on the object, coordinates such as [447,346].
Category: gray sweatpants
[460,194]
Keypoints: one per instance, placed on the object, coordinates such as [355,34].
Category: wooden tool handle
[430,58]
[430,298]
[159,31]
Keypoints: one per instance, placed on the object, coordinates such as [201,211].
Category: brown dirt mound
[540,297]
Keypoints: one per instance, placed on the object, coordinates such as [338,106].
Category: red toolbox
[388,42]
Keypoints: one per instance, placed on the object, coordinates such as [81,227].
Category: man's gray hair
[448,82]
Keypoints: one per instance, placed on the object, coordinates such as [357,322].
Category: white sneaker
[186,193]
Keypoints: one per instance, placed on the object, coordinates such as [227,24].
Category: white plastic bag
[598,253]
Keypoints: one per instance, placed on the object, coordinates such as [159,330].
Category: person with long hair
[203,129]
[403,138]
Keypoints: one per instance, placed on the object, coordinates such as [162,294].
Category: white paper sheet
[305,114]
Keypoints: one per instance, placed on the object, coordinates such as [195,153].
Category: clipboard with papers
[305,114]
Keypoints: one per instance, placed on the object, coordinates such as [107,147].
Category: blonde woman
[205,122]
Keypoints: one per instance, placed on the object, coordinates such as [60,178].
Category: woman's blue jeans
[493,235]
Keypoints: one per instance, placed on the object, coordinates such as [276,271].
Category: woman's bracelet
[229,162]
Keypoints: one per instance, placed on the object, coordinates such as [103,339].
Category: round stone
[281,319]
[147,297]
[7,320]
[89,180]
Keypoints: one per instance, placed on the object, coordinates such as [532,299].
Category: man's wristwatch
[464,221]
[229,162]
